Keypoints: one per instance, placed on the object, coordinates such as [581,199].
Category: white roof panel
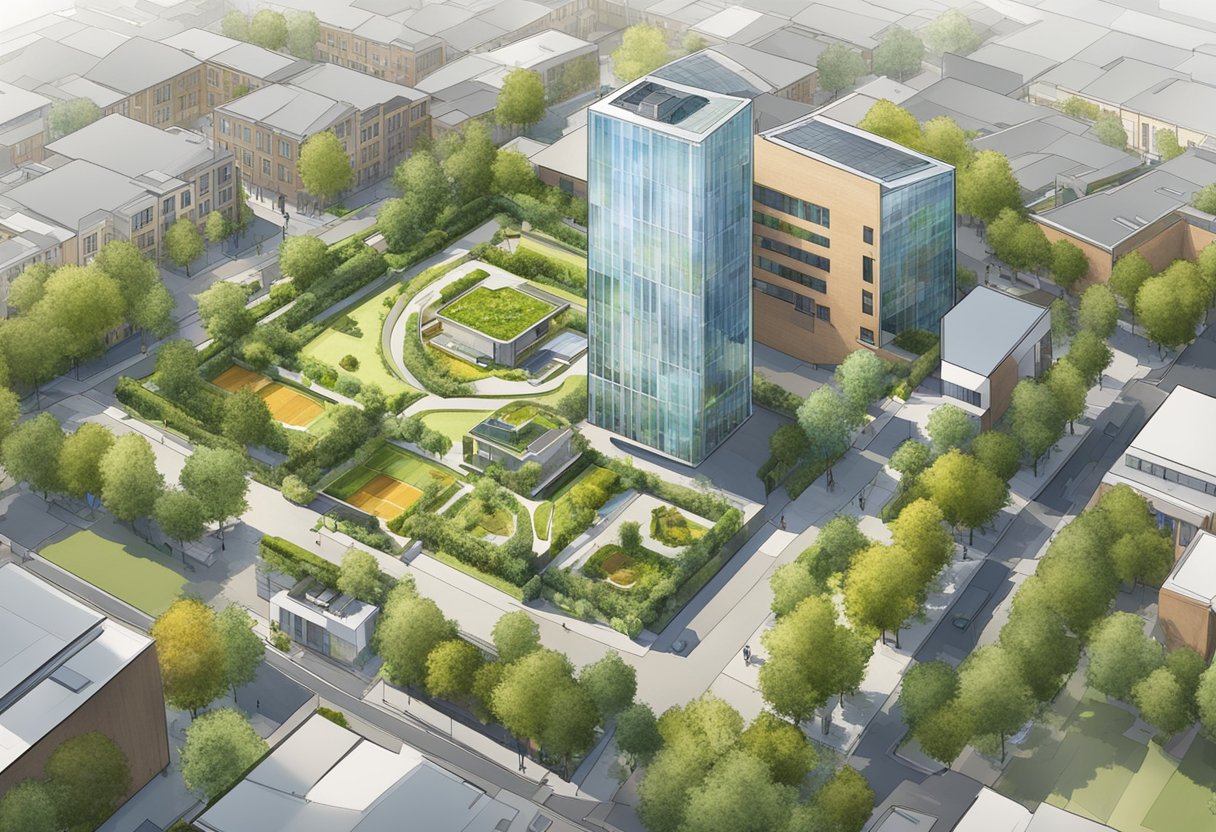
[1180,431]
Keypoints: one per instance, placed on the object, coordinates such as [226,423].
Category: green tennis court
[370,484]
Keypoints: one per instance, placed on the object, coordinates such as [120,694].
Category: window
[265,167]
[957,391]
[787,204]
[867,336]
[204,208]
[1186,533]
[169,205]
[204,184]
[282,173]
[185,200]
[824,313]
[769,221]
[1169,474]
[284,149]
[247,158]
[867,269]
[567,185]
[90,244]
[224,126]
[867,302]
[141,219]
[248,135]
[867,235]
[794,253]
[773,267]
[225,173]
[804,305]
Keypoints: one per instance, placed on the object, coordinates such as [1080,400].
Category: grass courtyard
[454,424]
[500,313]
[1095,771]
[358,333]
[128,569]
[554,252]
[389,482]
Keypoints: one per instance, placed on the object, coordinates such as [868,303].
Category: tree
[839,68]
[10,412]
[69,116]
[998,452]
[217,477]
[1068,264]
[781,746]
[183,243]
[944,733]
[485,682]
[950,428]
[1205,701]
[31,453]
[1108,129]
[569,727]
[360,576]
[791,583]
[515,635]
[1036,418]
[521,99]
[421,180]
[899,53]
[951,32]
[31,353]
[179,515]
[247,419]
[1003,230]
[29,806]
[222,310]
[235,25]
[471,165]
[268,29]
[303,33]
[693,42]
[637,734]
[28,287]
[130,482]
[833,550]
[89,777]
[968,494]
[942,138]
[919,531]
[1205,199]
[1099,310]
[891,121]
[926,689]
[1162,702]
[410,628]
[988,186]
[1128,275]
[1187,666]
[882,590]
[1205,264]
[177,375]
[513,173]
[220,747]
[1028,250]
[81,306]
[243,649]
[1167,143]
[611,684]
[192,662]
[147,301]
[845,801]
[1089,354]
[529,688]
[217,227]
[827,419]
[862,377]
[1068,386]
[451,669]
[325,169]
[401,222]
[304,259]
[80,460]
[1080,108]
[1171,305]
[1146,557]
[1035,636]
[1120,512]
[738,794]
[910,458]
[1078,581]
[991,688]
[1061,322]
[643,49]
[1120,655]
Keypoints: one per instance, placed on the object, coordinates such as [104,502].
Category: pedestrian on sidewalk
[861,501]
[964,551]
[747,655]
[564,627]
[783,522]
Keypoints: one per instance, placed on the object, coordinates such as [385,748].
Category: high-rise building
[669,300]
[854,240]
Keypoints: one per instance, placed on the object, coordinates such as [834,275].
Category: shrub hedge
[286,557]
[429,372]
[774,397]
[462,285]
[922,367]
[534,266]
[143,402]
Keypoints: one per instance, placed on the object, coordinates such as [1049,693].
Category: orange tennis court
[384,497]
[286,405]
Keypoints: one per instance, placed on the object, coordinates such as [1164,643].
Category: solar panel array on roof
[703,72]
[661,104]
[853,151]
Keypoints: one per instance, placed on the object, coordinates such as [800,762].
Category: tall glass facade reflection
[916,259]
[669,276]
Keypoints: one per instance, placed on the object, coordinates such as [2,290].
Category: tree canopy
[898,54]
[643,49]
[839,68]
[192,662]
[521,100]
[220,746]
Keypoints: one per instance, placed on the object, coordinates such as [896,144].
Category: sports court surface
[388,483]
[286,405]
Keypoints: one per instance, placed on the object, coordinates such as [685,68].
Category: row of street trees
[1170,304]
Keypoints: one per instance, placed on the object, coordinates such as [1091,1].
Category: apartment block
[377,121]
[233,68]
[669,309]
[377,46]
[1187,601]
[66,670]
[161,86]
[853,240]
[23,127]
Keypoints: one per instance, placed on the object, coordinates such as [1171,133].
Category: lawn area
[540,520]
[454,424]
[474,520]
[1097,772]
[361,339]
[128,569]
[500,313]
[557,253]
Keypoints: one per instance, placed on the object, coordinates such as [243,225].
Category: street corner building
[669,300]
[67,670]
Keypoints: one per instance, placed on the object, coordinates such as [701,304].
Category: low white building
[325,620]
[990,340]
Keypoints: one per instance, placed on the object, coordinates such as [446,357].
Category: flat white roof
[986,326]
[1195,573]
[1180,432]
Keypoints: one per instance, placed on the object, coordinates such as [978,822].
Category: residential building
[854,240]
[989,342]
[377,45]
[1172,464]
[468,343]
[23,125]
[669,311]
[1186,604]
[26,240]
[184,173]
[326,777]
[377,122]
[518,434]
[325,620]
[67,670]
[162,86]
[563,164]
[1150,214]
[233,68]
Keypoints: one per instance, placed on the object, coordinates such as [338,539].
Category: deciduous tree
[1036,638]
[360,576]
[968,494]
[926,689]
[177,371]
[147,301]
[1108,129]
[217,477]
[528,689]
[863,379]
[1068,386]
[521,100]
[781,746]
[637,734]
[130,481]
[951,32]
[1205,701]
[81,305]
[1089,354]
[998,452]
[919,531]
[28,287]
[988,186]
[451,669]
[183,243]
[222,310]
[191,652]
[611,684]
[410,628]
[950,428]
[29,806]
[739,794]
[1036,418]
[1171,305]
[569,727]
[1167,143]
[304,259]
[89,776]
[1162,702]
[839,68]
[513,173]
[992,690]
[845,801]
[268,29]
[515,635]
[179,515]
[220,747]
[899,53]
[643,49]
[303,33]
[1061,322]
[243,649]
[882,590]
[791,583]
[247,419]
[325,169]
[1099,311]
[833,550]
[31,453]
[1068,264]
[70,115]
[942,138]
[1143,558]
[826,418]
[891,121]
[1120,655]
[471,165]
[1077,576]
[217,227]
[1128,275]
[910,458]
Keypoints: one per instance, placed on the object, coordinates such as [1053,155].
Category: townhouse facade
[161,86]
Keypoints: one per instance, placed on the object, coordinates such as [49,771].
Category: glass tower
[916,261]
[669,313]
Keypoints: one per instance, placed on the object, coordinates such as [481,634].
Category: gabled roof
[138,64]
[16,102]
[287,109]
[45,61]
[347,85]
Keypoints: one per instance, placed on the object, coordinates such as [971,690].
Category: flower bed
[669,526]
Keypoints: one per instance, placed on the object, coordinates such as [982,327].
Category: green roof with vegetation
[518,425]
[502,314]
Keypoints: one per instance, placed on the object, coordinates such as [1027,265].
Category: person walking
[861,501]
[783,522]
[747,655]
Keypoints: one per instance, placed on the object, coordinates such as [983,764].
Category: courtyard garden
[454,424]
[112,559]
[502,313]
[391,481]
[670,527]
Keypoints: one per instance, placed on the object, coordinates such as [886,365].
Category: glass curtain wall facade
[669,281]
[916,259]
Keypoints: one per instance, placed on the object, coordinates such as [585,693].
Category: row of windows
[957,391]
[784,227]
[792,205]
[1169,474]
[801,303]
[794,253]
[807,280]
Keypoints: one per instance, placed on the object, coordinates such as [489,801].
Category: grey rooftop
[68,194]
[678,109]
[855,150]
[984,327]
[356,88]
[138,64]
[287,109]
[133,148]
